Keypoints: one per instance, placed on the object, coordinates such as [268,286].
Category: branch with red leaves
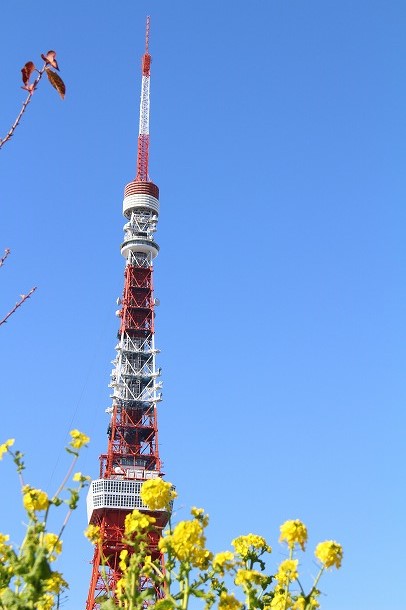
[23,298]
[26,73]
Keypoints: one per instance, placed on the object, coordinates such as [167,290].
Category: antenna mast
[143,132]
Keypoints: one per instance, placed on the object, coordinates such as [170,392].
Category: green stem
[287,586]
[20,467]
[301,588]
[31,522]
[62,485]
[132,591]
[316,581]
[186,591]
[69,513]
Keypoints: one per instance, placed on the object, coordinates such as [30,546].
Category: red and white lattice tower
[132,454]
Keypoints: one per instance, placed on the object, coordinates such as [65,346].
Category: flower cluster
[187,542]
[123,560]
[136,522]
[223,561]
[250,544]
[229,602]
[81,478]
[93,533]
[293,532]
[287,572]
[52,544]
[34,499]
[281,600]
[329,553]
[5,446]
[78,439]
[157,494]
[55,583]
[247,578]
[303,603]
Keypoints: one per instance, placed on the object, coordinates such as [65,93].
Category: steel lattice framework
[132,454]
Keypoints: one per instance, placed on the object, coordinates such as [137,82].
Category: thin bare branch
[31,90]
[23,298]
[3,258]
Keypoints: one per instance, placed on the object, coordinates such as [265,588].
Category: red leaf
[26,72]
[49,58]
[56,82]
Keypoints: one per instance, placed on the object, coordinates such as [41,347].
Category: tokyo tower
[132,451]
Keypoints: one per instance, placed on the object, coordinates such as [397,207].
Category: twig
[24,106]
[3,258]
[24,297]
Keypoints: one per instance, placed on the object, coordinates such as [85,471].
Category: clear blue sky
[277,141]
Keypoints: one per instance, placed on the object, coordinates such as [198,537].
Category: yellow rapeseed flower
[34,499]
[246,578]
[3,546]
[136,521]
[187,543]
[123,560]
[93,533]
[281,600]
[46,602]
[147,568]
[120,586]
[228,602]
[4,538]
[330,553]
[55,583]
[301,604]
[202,558]
[199,515]
[52,544]
[78,439]
[293,532]
[249,544]
[156,493]
[287,572]
[78,476]
[4,447]
[223,561]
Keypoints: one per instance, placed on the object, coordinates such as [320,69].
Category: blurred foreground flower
[78,439]
[4,447]
[93,533]
[27,578]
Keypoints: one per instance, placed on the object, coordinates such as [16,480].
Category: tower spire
[132,449]
[143,132]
